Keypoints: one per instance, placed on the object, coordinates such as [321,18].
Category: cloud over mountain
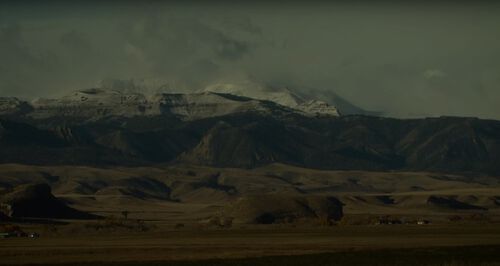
[390,57]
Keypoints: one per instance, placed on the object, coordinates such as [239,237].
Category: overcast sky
[400,59]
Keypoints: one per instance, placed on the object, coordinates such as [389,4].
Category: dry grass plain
[189,244]
[175,202]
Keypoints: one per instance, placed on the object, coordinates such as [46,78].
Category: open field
[170,209]
[450,256]
[187,244]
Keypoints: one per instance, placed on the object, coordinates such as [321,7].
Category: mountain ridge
[248,140]
[95,104]
[113,127]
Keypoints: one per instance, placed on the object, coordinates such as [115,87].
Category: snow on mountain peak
[244,87]
[280,95]
[125,100]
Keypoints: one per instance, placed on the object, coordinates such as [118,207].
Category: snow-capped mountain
[280,95]
[90,103]
[307,105]
[12,106]
[128,99]
[95,104]
[207,104]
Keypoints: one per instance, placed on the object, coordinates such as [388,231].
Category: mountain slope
[106,127]
[437,144]
[282,96]
[254,139]
[97,104]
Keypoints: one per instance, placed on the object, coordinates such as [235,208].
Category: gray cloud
[76,43]
[404,60]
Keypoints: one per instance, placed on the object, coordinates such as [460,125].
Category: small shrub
[125,214]
[179,225]
[222,222]
[191,173]
[324,221]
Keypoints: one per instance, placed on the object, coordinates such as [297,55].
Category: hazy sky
[401,59]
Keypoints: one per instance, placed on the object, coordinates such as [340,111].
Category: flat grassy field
[449,256]
[338,245]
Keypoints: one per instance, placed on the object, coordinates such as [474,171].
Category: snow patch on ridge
[280,95]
